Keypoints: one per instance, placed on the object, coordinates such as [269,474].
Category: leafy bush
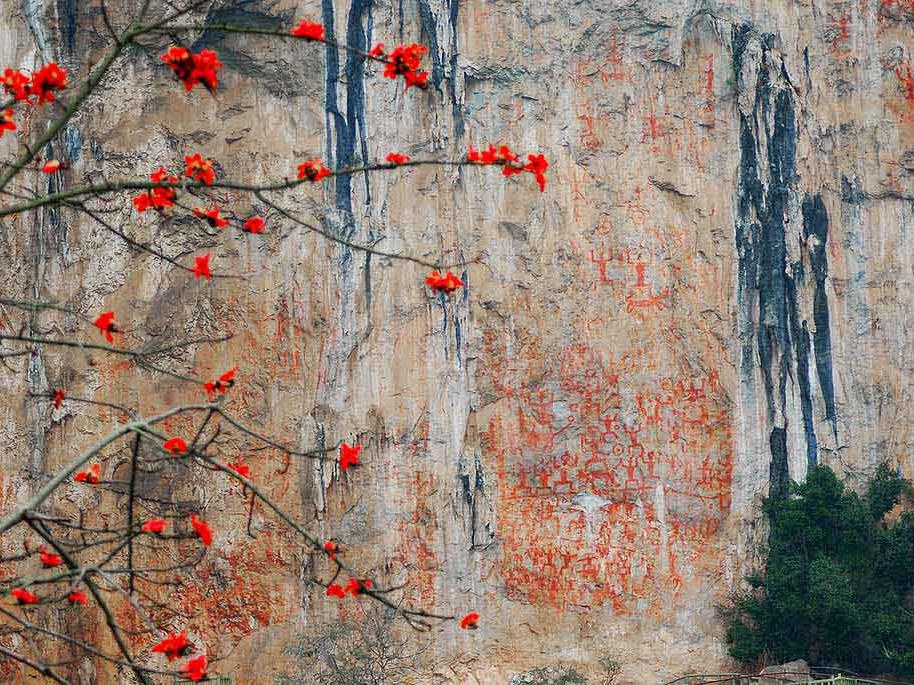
[838,580]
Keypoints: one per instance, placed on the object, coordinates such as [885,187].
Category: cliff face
[712,294]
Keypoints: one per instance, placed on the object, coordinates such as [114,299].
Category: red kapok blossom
[105,324]
[240,468]
[157,198]
[331,548]
[223,383]
[447,283]
[195,669]
[175,446]
[174,646]
[404,61]
[46,80]
[6,122]
[48,559]
[23,596]
[15,83]
[335,590]
[154,526]
[471,621]
[308,30]
[90,477]
[313,170]
[537,166]
[254,225]
[77,597]
[377,50]
[193,69]
[356,587]
[349,455]
[199,169]
[395,158]
[51,166]
[203,530]
[212,216]
[201,267]
[58,398]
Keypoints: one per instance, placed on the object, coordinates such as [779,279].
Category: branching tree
[121,528]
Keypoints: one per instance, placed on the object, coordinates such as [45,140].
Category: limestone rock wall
[713,293]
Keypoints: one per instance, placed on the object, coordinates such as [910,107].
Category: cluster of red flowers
[471,621]
[58,398]
[254,225]
[159,197]
[41,85]
[105,324]
[192,69]
[331,548]
[49,559]
[201,267]
[52,166]
[395,158]
[212,216]
[354,587]
[349,455]
[199,169]
[313,170]
[23,596]
[204,532]
[403,60]
[221,384]
[239,467]
[90,477]
[178,646]
[77,597]
[175,446]
[309,31]
[447,283]
[509,162]
[154,526]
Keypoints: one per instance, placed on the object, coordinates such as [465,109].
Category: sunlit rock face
[713,292]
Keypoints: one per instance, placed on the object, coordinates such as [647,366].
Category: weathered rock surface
[714,292]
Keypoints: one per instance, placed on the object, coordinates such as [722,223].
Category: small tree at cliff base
[838,581]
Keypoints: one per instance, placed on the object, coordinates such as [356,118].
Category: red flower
[201,267]
[240,468]
[331,548]
[46,80]
[404,61]
[51,166]
[223,383]
[203,530]
[77,597]
[447,283]
[90,477]
[309,30]
[356,587]
[199,169]
[154,526]
[253,225]
[211,216]
[313,170]
[349,455]
[49,560]
[471,621]
[23,596]
[377,50]
[174,646]
[158,198]
[58,398]
[195,669]
[105,324]
[193,69]
[6,122]
[175,446]
[15,83]
[537,166]
[335,590]
[395,158]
